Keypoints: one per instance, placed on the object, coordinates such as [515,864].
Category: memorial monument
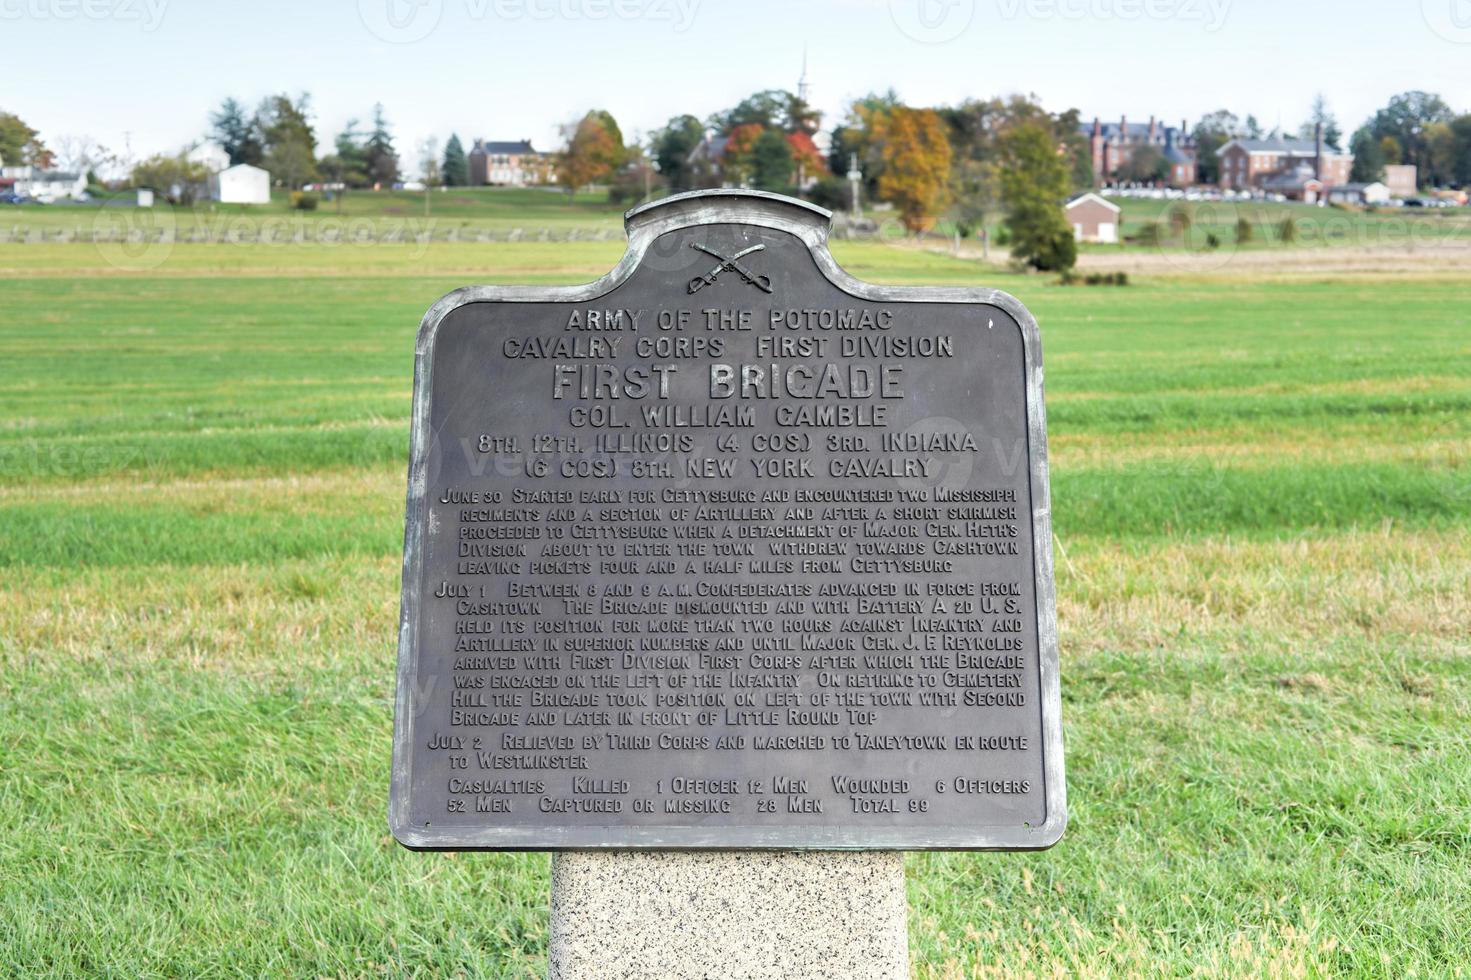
[728,552]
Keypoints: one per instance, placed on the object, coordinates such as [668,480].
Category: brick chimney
[1097,128]
[1152,127]
[1123,129]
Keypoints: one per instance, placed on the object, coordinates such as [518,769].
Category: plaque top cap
[726,204]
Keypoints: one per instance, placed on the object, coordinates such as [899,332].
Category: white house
[1375,192]
[1093,219]
[241,184]
[211,155]
[43,185]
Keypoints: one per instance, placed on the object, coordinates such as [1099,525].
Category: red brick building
[1248,164]
[1113,146]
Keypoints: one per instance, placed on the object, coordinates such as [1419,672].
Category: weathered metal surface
[728,549]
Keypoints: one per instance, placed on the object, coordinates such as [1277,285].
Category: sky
[143,75]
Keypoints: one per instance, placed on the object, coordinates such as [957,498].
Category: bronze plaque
[728,549]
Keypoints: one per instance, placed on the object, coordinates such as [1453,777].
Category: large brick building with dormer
[1113,146]
[1288,166]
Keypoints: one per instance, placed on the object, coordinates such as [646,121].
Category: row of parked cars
[11,197]
[1217,194]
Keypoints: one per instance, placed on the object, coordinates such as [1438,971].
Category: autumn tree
[807,159]
[738,163]
[175,177]
[1034,185]
[857,137]
[20,145]
[593,151]
[976,127]
[916,160]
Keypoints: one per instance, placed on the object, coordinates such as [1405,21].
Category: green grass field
[1262,500]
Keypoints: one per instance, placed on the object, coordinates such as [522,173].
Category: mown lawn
[1262,500]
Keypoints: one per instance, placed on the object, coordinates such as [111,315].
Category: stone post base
[728,914]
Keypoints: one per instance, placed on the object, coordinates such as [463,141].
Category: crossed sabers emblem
[698,283]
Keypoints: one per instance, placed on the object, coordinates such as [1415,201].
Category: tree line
[983,159]
[1415,127]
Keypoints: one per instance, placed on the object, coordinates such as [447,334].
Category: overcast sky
[149,71]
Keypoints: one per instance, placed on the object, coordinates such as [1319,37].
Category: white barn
[1375,192]
[241,184]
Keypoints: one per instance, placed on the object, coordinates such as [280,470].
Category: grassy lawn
[1312,226]
[1262,500]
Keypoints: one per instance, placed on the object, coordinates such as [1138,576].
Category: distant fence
[329,232]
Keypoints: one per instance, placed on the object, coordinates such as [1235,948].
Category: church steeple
[804,87]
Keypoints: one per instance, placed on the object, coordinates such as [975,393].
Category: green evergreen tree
[1368,156]
[378,151]
[456,167]
[771,161]
[672,147]
[236,133]
[1034,185]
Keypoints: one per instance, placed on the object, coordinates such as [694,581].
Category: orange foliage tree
[591,155]
[737,163]
[806,156]
[916,164]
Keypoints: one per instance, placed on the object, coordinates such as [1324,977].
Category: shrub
[303,201]
[1212,240]
[1243,231]
[1150,233]
[1180,219]
[831,193]
[1056,252]
[1287,230]
[1070,278]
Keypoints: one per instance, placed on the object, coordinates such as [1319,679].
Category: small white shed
[241,184]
